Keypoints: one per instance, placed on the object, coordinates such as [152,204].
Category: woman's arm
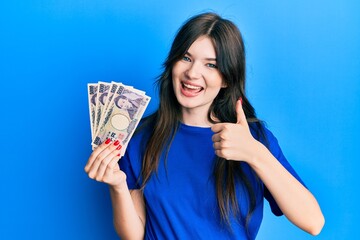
[128,212]
[294,200]
[128,206]
[235,142]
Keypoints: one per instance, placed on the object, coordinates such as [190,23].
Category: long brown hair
[230,55]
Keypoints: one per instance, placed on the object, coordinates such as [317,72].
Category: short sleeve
[273,146]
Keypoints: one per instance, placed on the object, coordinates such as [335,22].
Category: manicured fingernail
[119,147]
[240,98]
[116,142]
[118,155]
[108,141]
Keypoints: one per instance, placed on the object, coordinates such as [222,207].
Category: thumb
[241,118]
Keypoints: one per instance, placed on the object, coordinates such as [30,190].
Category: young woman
[202,164]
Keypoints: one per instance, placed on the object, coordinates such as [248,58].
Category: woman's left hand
[233,141]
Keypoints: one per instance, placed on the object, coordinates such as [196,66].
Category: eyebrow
[209,59]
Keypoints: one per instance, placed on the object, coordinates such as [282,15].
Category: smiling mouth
[191,88]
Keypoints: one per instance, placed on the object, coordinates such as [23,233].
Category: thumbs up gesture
[233,141]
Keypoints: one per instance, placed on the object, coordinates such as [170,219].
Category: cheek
[217,82]
[175,78]
[175,72]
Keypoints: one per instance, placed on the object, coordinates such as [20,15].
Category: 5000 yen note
[123,115]
[92,97]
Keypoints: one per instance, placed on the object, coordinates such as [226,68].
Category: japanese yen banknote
[115,111]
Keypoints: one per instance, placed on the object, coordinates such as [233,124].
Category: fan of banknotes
[115,111]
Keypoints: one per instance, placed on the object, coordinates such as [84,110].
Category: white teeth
[191,86]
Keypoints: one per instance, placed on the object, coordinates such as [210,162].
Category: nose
[194,71]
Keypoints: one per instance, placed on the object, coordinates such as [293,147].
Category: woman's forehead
[203,47]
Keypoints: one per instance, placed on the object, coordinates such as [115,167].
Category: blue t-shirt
[181,199]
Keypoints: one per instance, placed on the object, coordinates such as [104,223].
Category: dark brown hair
[230,55]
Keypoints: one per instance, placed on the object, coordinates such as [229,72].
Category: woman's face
[196,78]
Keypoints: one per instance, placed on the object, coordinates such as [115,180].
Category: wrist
[119,188]
[258,155]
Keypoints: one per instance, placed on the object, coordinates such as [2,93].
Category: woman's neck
[193,117]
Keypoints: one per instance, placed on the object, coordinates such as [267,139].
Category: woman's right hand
[103,164]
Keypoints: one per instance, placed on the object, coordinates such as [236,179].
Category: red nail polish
[240,98]
[118,155]
[108,141]
[116,142]
[119,147]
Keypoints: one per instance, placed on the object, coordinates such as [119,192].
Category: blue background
[303,79]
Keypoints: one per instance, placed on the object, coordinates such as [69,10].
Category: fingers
[96,152]
[227,139]
[222,139]
[110,168]
[221,131]
[223,144]
[222,149]
[105,165]
[222,153]
[218,127]
[218,145]
[101,158]
[241,118]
